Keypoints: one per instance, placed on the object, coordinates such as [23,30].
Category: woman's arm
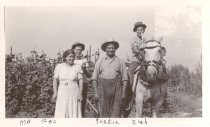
[55,88]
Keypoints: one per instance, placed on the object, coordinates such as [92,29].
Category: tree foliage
[181,79]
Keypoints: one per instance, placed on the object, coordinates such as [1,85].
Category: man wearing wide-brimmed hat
[110,80]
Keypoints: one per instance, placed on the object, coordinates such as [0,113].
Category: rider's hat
[138,24]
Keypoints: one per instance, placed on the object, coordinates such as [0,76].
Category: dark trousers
[132,67]
[110,97]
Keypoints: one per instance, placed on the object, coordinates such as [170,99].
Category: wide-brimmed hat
[78,44]
[109,41]
[138,24]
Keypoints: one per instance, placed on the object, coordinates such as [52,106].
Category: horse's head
[152,53]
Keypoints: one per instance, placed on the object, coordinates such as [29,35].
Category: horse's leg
[140,91]
[158,95]
[156,108]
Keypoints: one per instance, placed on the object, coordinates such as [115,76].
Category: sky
[54,28]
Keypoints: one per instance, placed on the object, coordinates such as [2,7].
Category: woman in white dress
[68,87]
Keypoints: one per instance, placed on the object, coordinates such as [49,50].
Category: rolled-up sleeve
[135,47]
[95,74]
[134,43]
[124,72]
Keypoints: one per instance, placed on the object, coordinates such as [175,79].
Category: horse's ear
[163,51]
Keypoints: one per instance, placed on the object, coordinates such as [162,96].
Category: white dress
[67,105]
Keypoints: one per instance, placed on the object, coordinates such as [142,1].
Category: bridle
[153,63]
[145,64]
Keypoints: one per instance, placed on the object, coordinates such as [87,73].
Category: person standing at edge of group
[110,80]
[136,44]
[78,48]
[68,87]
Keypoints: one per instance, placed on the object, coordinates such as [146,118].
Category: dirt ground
[184,105]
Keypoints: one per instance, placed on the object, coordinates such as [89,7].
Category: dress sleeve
[56,71]
[79,72]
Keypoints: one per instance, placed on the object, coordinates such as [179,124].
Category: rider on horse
[136,44]
[138,65]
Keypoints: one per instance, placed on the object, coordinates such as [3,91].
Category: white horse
[149,80]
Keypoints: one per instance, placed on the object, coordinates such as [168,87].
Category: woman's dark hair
[67,52]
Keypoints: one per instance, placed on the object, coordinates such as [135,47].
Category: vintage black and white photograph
[103,61]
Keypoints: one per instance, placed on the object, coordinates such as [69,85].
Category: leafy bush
[29,89]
